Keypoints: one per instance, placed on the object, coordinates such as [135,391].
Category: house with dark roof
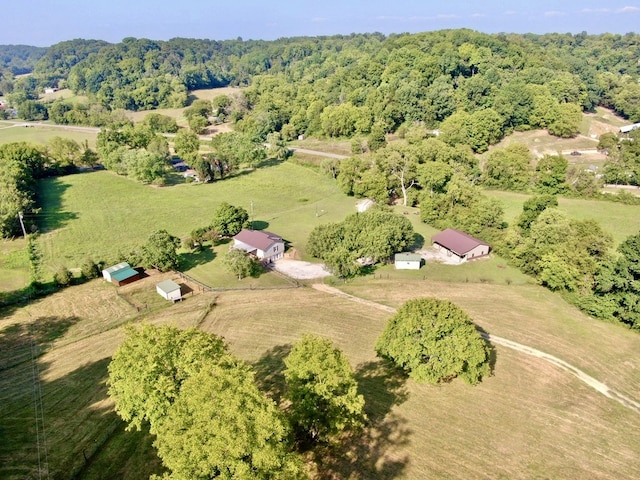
[265,246]
[459,244]
[120,274]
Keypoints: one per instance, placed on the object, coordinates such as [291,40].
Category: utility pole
[251,220]
[24,232]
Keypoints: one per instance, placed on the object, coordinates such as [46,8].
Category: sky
[46,22]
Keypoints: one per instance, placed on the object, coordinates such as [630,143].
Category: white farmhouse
[265,246]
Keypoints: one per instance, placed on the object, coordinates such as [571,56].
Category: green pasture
[339,146]
[42,134]
[103,216]
[618,219]
[14,265]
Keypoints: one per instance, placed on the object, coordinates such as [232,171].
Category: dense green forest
[375,79]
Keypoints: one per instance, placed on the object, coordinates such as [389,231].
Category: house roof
[407,257]
[123,274]
[168,286]
[259,239]
[115,268]
[458,242]
[628,128]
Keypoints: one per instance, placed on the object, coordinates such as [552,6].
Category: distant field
[618,219]
[205,94]
[529,420]
[42,134]
[65,94]
[341,147]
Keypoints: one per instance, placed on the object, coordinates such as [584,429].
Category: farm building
[265,246]
[407,261]
[120,274]
[628,128]
[459,244]
[169,290]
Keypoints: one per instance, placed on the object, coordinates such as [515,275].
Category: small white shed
[169,290]
[407,261]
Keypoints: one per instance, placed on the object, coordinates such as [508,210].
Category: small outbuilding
[407,261]
[459,244]
[265,246]
[120,274]
[169,290]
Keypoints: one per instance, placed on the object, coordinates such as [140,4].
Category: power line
[41,437]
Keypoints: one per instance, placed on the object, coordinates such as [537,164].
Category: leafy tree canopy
[322,390]
[148,369]
[160,251]
[222,426]
[434,341]
[228,219]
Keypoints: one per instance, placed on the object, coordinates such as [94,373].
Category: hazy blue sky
[45,22]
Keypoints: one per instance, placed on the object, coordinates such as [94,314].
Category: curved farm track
[582,376]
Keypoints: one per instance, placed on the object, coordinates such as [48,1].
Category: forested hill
[375,79]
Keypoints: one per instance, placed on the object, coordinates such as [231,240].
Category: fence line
[206,288]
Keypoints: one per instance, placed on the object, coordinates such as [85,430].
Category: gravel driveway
[300,270]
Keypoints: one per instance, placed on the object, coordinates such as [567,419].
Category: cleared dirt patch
[301,270]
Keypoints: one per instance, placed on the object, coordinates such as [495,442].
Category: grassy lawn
[102,215]
[177,113]
[618,219]
[207,267]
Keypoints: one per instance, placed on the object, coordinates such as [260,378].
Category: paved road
[600,387]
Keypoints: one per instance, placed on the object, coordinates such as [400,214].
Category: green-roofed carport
[125,276]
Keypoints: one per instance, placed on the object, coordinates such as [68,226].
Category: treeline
[21,165]
[345,85]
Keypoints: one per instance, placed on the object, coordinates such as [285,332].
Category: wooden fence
[293,283]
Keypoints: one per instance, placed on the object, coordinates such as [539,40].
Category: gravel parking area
[301,270]
[435,255]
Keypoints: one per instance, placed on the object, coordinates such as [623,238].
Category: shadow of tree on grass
[19,342]
[364,454]
[269,371]
[193,259]
[49,194]
[368,454]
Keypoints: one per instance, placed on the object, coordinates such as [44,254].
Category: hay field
[529,420]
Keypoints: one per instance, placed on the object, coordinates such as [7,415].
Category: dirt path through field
[582,376]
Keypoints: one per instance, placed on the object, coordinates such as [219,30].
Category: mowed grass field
[10,132]
[528,420]
[616,218]
[103,216]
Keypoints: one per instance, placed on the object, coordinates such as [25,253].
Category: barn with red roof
[459,244]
